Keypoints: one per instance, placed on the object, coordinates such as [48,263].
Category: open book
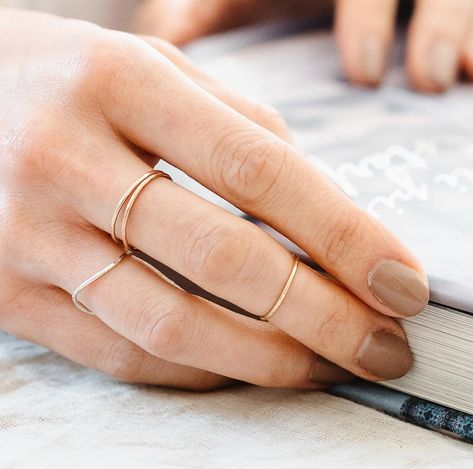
[405,158]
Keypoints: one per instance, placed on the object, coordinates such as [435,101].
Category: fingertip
[364,33]
[366,65]
[372,61]
[399,287]
[385,355]
[325,373]
[434,68]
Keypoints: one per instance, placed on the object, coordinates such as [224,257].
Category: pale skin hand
[85,112]
[439,43]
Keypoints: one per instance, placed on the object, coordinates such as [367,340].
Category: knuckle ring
[128,201]
[93,279]
[284,291]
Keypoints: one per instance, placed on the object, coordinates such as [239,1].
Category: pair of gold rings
[125,205]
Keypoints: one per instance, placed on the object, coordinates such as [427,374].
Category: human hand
[85,113]
[439,45]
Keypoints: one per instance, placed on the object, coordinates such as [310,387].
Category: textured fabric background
[56,415]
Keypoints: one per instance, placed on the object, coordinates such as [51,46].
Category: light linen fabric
[56,415]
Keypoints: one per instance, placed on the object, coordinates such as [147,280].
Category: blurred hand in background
[440,33]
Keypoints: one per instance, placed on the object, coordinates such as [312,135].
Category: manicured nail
[372,60]
[325,372]
[443,64]
[385,355]
[399,287]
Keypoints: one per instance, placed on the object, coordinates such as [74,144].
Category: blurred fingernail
[399,287]
[325,372]
[385,355]
[372,60]
[443,64]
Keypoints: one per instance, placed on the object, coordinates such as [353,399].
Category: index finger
[263,176]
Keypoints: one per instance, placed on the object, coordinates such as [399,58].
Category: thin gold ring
[121,203]
[284,291]
[93,279]
[131,202]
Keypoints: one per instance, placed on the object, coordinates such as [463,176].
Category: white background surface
[56,415]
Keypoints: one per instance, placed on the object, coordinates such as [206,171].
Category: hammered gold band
[284,291]
[131,202]
[128,201]
[121,203]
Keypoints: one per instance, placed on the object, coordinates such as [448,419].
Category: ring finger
[47,317]
[436,39]
[178,327]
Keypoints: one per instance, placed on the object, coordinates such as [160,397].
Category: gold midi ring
[284,292]
[121,203]
[131,202]
[129,198]
[93,279]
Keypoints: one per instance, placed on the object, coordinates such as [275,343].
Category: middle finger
[264,176]
[180,328]
[235,260]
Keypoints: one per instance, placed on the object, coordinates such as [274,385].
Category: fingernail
[385,355]
[372,59]
[325,372]
[443,64]
[399,287]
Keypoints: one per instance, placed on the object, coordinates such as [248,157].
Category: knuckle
[217,253]
[36,149]
[121,360]
[109,64]
[101,57]
[24,239]
[250,166]
[333,321]
[343,236]
[168,331]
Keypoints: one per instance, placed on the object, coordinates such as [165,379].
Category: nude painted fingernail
[372,60]
[443,64]
[325,372]
[385,355]
[399,287]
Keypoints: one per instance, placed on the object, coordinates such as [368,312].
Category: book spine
[409,408]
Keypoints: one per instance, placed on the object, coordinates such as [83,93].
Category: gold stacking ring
[94,278]
[284,291]
[128,201]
